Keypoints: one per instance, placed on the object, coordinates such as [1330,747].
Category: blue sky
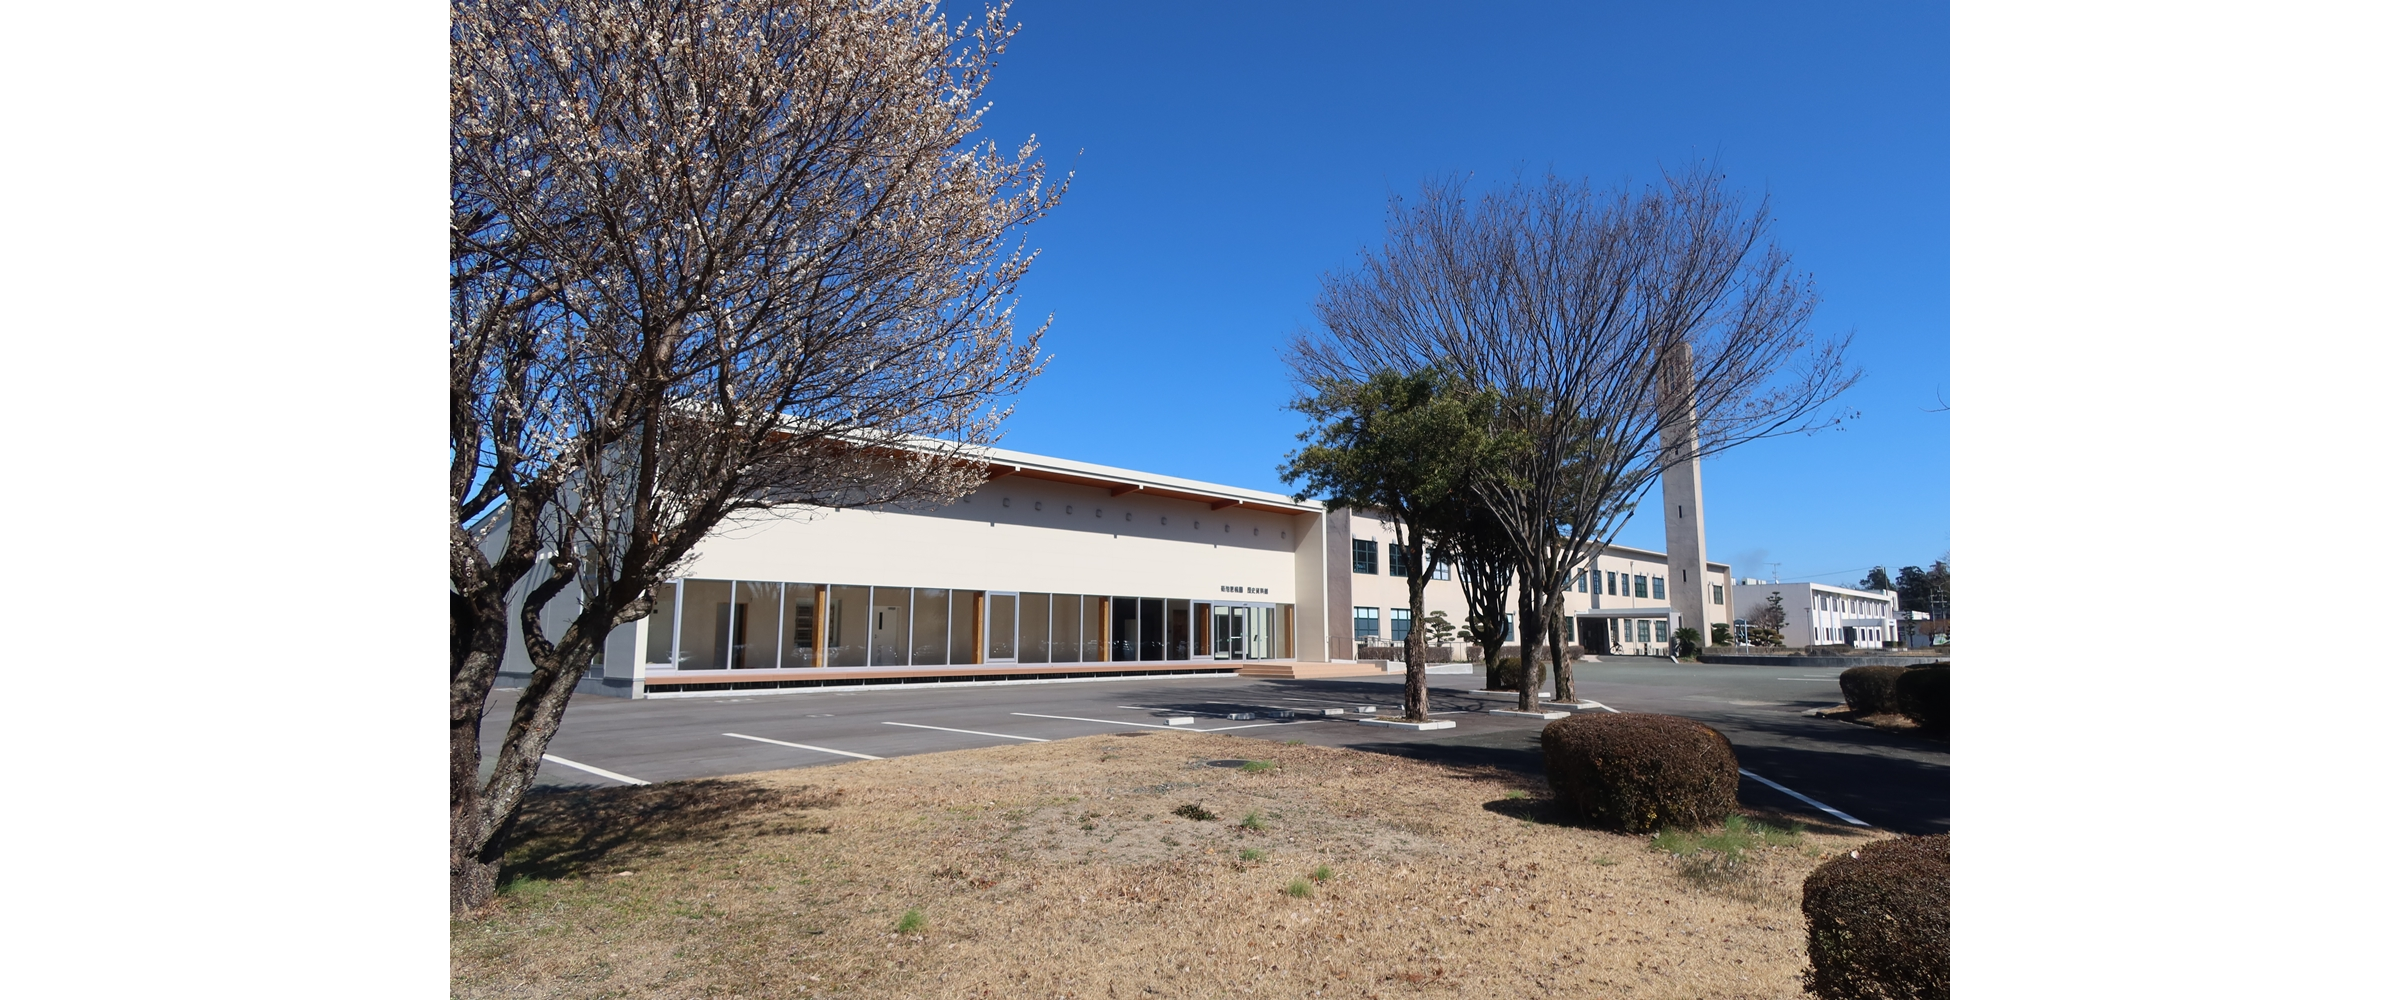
[1228,155]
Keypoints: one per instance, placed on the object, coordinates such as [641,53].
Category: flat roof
[1812,584]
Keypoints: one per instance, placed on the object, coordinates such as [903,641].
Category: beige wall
[1385,591]
[1032,535]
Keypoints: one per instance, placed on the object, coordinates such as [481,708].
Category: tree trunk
[1558,650]
[479,638]
[1529,668]
[482,812]
[1416,702]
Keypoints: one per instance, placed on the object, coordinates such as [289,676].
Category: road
[1898,783]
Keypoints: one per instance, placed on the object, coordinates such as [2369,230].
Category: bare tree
[1481,553]
[1596,318]
[709,261]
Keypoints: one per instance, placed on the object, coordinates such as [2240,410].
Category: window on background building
[1583,581]
[1362,555]
[1612,583]
[1508,628]
[1641,586]
[1441,571]
[1716,593]
[1399,559]
[1641,628]
[1612,631]
[1658,588]
[1400,624]
[1365,623]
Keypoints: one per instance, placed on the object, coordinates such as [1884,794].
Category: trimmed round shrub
[1879,923]
[1638,772]
[1503,676]
[1923,694]
[1869,689]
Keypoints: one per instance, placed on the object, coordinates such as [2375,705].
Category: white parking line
[804,746]
[1254,725]
[970,732]
[1147,725]
[1104,722]
[599,771]
[1837,814]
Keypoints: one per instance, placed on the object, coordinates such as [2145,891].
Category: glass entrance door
[1000,628]
[1243,632]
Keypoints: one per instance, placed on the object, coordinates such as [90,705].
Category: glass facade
[1033,628]
[1179,630]
[760,625]
[1154,628]
[1066,628]
[846,627]
[929,628]
[660,647]
[1000,629]
[704,624]
[800,624]
[757,621]
[888,642]
[1124,629]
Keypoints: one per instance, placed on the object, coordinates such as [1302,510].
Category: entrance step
[1290,670]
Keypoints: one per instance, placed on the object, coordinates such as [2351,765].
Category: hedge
[1869,689]
[1879,923]
[1503,676]
[1638,772]
[1923,694]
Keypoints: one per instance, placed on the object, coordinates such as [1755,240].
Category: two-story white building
[1619,600]
[1820,614]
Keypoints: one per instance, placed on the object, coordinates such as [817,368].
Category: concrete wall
[1339,587]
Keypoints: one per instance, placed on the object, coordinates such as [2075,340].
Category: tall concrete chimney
[1687,533]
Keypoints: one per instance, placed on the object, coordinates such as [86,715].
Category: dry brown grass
[1890,722]
[1061,870]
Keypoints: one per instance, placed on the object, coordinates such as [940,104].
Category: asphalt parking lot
[1824,768]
